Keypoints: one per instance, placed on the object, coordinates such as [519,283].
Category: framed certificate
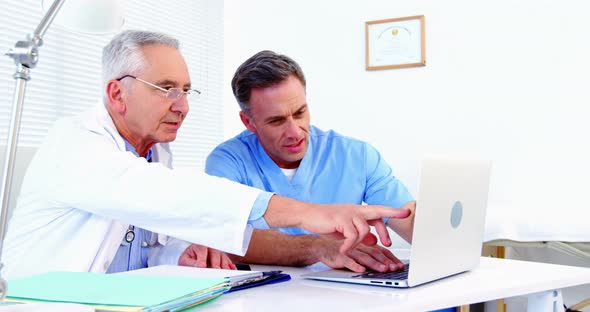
[395,43]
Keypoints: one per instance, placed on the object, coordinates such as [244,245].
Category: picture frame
[395,43]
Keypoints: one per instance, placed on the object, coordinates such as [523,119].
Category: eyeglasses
[172,94]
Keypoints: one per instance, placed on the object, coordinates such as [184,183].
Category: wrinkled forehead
[281,99]
[164,63]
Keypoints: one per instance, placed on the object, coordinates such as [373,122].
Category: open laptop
[448,226]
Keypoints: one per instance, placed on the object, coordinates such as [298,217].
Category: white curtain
[67,79]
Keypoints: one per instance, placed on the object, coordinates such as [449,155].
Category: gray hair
[263,69]
[123,55]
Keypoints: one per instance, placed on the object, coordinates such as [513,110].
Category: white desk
[493,279]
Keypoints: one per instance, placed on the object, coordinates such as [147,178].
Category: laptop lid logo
[456,214]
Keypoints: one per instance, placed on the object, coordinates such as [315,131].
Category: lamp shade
[89,16]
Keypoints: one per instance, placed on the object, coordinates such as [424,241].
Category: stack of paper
[232,276]
[238,280]
[117,292]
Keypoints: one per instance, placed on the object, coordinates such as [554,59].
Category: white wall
[506,80]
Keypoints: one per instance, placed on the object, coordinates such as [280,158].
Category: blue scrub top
[335,169]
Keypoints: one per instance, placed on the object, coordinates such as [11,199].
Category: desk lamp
[91,16]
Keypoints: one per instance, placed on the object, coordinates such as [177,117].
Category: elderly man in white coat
[101,186]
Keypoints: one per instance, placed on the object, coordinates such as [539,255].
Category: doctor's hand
[337,221]
[204,257]
[358,259]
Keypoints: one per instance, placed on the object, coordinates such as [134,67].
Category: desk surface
[493,279]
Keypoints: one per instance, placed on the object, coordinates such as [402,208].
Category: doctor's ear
[116,96]
[247,121]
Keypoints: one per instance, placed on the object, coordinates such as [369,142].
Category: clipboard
[269,277]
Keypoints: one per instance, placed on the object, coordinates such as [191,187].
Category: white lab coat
[82,190]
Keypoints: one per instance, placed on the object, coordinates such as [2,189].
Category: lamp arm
[25,55]
[46,21]
[15,118]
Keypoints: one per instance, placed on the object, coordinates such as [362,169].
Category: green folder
[116,292]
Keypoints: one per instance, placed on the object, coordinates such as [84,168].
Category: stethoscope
[130,237]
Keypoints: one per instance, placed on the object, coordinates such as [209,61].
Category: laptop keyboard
[396,275]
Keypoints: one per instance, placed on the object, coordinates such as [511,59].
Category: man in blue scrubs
[281,152]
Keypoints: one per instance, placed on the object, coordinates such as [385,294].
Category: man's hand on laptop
[358,259]
[351,223]
[348,222]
